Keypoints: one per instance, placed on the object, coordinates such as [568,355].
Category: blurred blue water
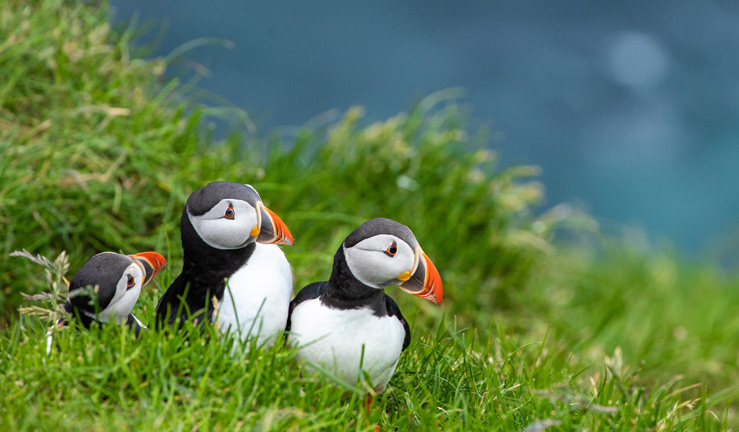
[630,108]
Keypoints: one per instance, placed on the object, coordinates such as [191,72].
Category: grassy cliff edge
[99,152]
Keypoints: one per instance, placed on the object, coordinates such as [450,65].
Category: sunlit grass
[100,153]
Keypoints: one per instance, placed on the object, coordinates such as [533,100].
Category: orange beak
[272,230]
[425,282]
[151,262]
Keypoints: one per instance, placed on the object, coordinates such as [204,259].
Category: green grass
[100,153]
[107,379]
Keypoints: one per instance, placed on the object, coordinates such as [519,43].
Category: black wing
[178,303]
[312,291]
[394,310]
[170,302]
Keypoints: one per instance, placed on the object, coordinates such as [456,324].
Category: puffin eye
[131,282]
[230,213]
[392,250]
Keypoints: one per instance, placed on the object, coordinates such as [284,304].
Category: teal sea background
[631,109]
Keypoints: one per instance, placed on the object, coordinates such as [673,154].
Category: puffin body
[256,297]
[348,325]
[347,341]
[233,275]
[114,282]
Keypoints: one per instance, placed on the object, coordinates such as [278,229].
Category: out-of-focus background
[630,108]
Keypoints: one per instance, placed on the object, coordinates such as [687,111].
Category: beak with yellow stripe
[151,263]
[270,229]
[423,280]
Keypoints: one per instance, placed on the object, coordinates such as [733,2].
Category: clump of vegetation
[100,153]
[51,300]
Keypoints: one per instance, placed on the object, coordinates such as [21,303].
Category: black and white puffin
[115,282]
[233,274]
[348,324]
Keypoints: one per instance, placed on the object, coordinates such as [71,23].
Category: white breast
[346,342]
[257,297]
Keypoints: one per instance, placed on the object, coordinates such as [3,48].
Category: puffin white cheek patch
[222,232]
[122,305]
[374,268]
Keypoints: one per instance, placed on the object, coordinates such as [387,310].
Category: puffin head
[116,281]
[383,252]
[229,216]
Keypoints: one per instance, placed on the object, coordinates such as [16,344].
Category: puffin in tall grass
[234,275]
[106,288]
[347,325]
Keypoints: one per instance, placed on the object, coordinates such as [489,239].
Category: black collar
[205,267]
[345,291]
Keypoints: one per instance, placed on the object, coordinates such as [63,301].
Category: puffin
[347,325]
[106,288]
[234,274]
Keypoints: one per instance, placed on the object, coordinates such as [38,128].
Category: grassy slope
[99,155]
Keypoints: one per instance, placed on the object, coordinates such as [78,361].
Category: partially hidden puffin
[234,274]
[348,325]
[114,282]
